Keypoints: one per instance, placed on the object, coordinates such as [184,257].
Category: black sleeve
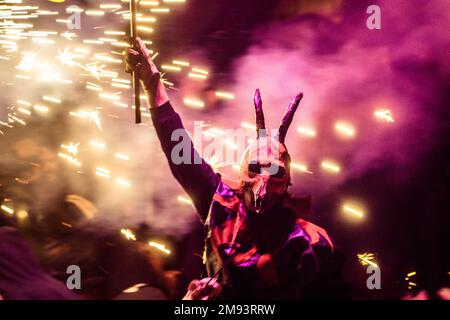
[193,173]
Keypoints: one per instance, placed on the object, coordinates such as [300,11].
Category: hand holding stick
[138,60]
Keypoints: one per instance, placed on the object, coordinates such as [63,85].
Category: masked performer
[257,245]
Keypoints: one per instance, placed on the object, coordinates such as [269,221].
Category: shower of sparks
[367,259]
[352,210]
[224,95]
[201,71]
[123,182]
[300,167]
[170,68]
[194,103]
[102,172]
[384,115]
[413,273]
[193,75]
[160,10]
[72,148]
[28,61]
[330,166]
[159,246]
[24,111]
[51,99]
[128,234]
[69,35]
[98,145]
[174,1]
[40,108]
[122,156]
[345,129]
[66,57]
[307,132]
[93,116]
[8,210]
[70,159]
[181,63]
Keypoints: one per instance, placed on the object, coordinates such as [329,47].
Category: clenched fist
[138,59]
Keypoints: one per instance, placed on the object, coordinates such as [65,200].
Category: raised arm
[197,178]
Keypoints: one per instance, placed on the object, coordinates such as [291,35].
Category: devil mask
[265,166]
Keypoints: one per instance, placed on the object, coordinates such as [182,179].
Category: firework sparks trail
[159,246]
[367,259]
[128,234]
[384,115]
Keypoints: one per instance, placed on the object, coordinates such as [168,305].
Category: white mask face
[264,174]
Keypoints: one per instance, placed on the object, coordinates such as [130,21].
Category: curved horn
[260,124]
[288,116]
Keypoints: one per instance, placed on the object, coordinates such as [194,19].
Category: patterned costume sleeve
[197,178]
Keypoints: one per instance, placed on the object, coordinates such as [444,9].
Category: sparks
[69,158]
[128,234]
[307,132]
[224,95]
[40,108]
[366,259]
[351,209]
[72,148]
[300,167]
[98,145]
[330,166]
[94,117]
[69,35]
[194,103]
[51,99]
[8,210]
[123,182]
[345,129]
[159,246]
[122,156]
[28,61]
[181,63]
[193,75]
[65,56]
[170,68]
[384,115]
[201,71]
[102,172]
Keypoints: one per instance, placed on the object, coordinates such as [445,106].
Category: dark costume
[275,255]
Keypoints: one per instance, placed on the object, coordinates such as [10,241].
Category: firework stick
[133,35]
[226,263]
